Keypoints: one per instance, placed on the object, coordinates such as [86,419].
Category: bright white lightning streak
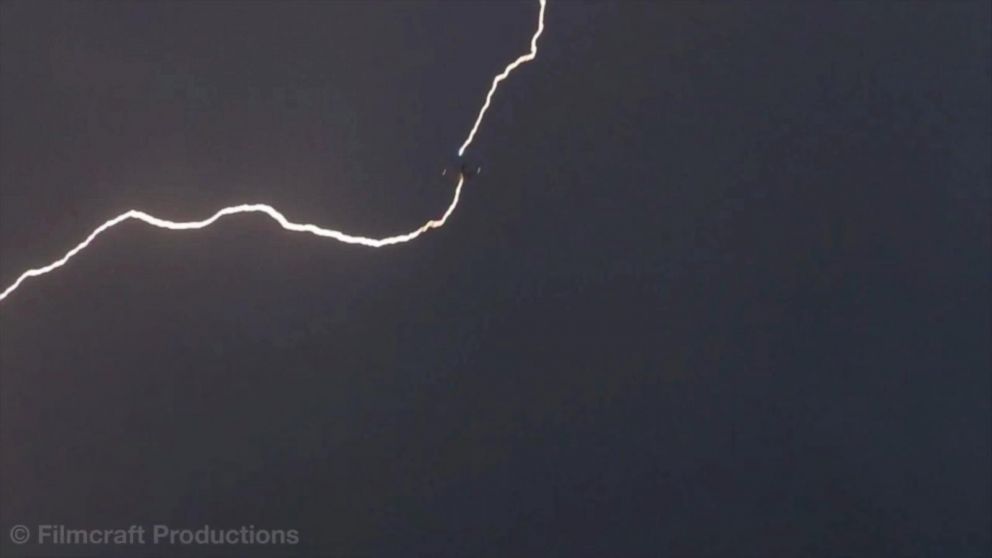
[234,209]
[279,217]
[512,66]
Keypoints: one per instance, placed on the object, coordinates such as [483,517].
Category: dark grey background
[721,290]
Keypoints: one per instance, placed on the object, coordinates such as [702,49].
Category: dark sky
[722,288]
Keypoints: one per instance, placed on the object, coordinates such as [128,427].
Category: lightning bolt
[281,219]
[523,59]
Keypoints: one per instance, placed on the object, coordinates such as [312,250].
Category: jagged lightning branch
[279,217]
[512,66]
